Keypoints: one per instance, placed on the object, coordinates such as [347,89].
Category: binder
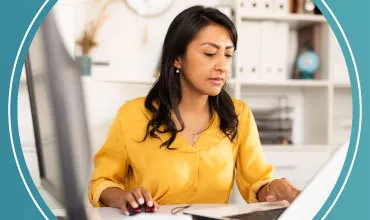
[250,7]
[281,7]
[249,51]
[280,50]
[266,6]
[268,40]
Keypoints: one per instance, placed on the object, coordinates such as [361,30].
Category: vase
[85,65]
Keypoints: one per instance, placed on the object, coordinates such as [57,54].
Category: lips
[216,81]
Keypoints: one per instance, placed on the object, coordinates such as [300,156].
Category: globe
[308,63]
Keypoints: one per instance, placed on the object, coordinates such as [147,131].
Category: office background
[312,115]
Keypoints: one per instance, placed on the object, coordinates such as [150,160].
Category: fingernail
[126,213]
[150,203]
[141,201]
[134,205]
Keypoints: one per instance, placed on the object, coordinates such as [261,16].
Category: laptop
[305,206]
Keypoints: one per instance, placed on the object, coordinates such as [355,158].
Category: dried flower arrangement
[88,39]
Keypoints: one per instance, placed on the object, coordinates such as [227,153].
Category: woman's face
[207,61]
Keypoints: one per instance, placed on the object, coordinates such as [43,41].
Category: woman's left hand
[279,190]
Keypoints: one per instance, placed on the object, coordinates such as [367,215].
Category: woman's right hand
[137,196]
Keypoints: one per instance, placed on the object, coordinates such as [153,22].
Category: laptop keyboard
[259,215]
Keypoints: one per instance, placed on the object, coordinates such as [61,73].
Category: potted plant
[87,41]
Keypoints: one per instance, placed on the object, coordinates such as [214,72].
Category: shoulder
[133,109]
[133,104]
[241,107]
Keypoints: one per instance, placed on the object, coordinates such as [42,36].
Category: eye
[229,55]
[209,54]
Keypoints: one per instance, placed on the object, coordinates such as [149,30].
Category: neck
[189,105]
[193,102]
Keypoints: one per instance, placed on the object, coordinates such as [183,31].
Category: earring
[177,71]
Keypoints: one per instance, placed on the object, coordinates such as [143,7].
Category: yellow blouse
[203,173]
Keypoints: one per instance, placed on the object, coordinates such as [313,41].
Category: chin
[213,92]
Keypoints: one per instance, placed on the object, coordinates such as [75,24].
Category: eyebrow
[215,45]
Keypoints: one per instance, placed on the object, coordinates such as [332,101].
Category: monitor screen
[59,119]
[43,120]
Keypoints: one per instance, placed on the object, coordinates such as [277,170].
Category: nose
[221,64]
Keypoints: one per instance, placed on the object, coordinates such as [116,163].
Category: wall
[132,44]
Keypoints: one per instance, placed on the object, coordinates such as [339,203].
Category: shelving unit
[289,83]
[314,100]
[115,79]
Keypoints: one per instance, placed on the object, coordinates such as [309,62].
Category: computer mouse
[139,209]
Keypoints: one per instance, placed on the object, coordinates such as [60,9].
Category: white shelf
[287,17]
[342,85]
[116,79]
[295,20]
[230,81]
[290,83]
[295,148]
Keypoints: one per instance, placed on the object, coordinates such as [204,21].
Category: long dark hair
[166,91]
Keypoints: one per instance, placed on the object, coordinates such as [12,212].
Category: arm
[113,197]
[252,170]
[110,169]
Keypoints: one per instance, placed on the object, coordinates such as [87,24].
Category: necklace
[196,134]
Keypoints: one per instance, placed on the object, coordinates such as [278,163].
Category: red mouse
[139,209]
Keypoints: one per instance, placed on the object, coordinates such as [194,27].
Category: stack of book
[275,126]
[275,130]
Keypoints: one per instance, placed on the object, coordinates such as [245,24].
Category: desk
[164,212]
[214,211]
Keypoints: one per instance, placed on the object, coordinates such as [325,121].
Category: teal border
[358,197]
[38,203]
[326,210]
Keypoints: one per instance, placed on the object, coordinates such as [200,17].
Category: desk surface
[216,211]
[164,212]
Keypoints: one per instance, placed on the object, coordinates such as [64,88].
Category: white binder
[249,51]
[280,51]
[268,40]
[281,6]
[266,6]
[250,7]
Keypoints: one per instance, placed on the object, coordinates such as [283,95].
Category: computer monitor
[58,113]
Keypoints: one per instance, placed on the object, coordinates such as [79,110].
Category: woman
[183,142]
